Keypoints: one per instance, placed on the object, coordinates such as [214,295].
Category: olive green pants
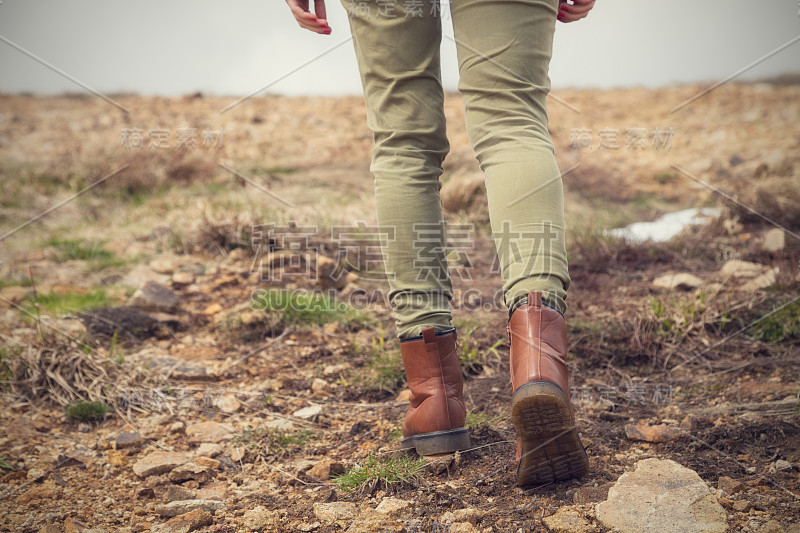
[504,49]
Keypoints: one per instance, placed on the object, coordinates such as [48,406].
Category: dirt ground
[271,204]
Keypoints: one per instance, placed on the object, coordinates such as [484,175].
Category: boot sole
[437,442]
[551,448]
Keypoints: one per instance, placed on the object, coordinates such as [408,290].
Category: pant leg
[397,48]
[504,49]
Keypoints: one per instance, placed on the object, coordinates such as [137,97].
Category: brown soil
[701,358]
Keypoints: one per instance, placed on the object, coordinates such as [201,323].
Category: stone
[209,449]
[326,468]
[209,432]
[742,506]
[214,491]
[175,493]
[736,268]
[767,279]
[35,474]
[468,514]
[567,520]
[212,309]
[50,528]
[369,521]
[207,462]
[779,466]
[73,526]
[661,495]
[773,526]
[191,521]
[334,512]
[655,433]
[141,274]
[127,439]
[729,485]
[182,278]
[178,369]
[391,506]
[36,494]
[228,403]
[192,470]
[163,265]
[689,423]
[260,518]
[281,424]
[184,506]
[335,369]
[774,240]
[154,297]
[308,413]
[319,386]
[681,281]
[158,463]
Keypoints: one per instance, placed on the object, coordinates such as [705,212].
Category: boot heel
[551,448]
[437,442]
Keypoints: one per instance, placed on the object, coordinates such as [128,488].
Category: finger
[571,13]
[317,26]
[319,9]
[576,9]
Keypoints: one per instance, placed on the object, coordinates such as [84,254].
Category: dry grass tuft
[776,198]
[62,372]
[219,234]
[152,169]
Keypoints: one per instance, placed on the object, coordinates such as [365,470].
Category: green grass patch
[478,419]
[5,361]
[381,471]
[471,357]
[88,411]
[385,370]
[309,309]
[63,303]
[4,464]
[779,326]
[96,257]
[15,282]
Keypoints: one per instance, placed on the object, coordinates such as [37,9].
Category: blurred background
[234,48]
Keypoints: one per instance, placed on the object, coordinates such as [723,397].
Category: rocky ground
[161,292]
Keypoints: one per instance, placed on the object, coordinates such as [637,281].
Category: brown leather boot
[548,446]
[436,414]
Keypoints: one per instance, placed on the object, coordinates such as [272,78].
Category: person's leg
[504,51]
[397,47]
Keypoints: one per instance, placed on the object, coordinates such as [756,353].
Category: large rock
[185,506]
[154,297]
[335,511]
[209,432]
[661,495]
[159,463]
[774,240]
[178,369]
[682,281]
[185,523]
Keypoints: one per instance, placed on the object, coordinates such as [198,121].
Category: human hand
[577,10]
[306,19]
